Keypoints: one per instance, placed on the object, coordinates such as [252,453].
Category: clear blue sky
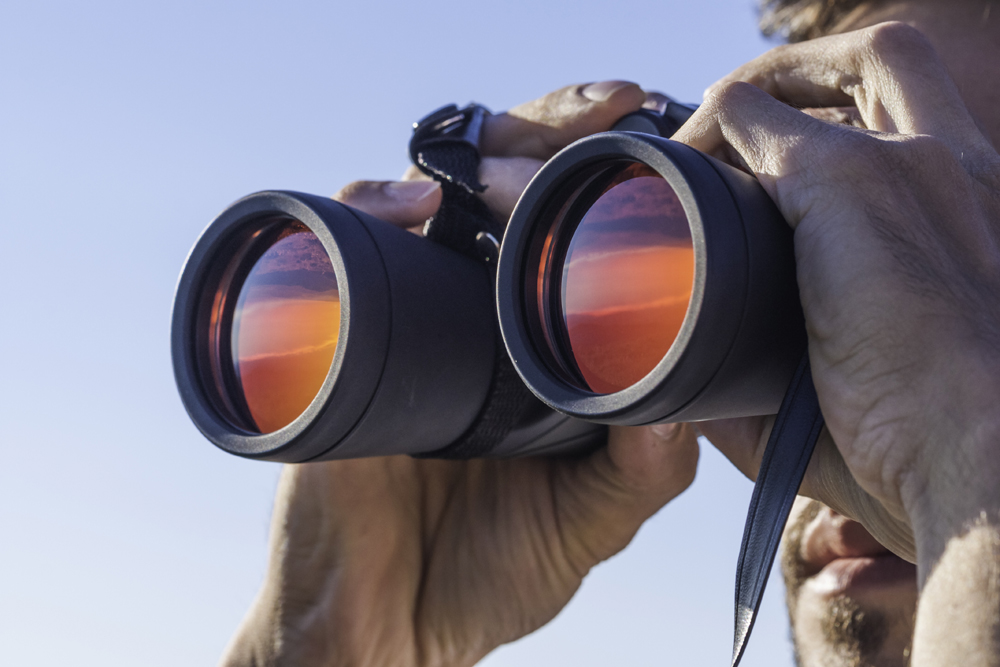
[124,128]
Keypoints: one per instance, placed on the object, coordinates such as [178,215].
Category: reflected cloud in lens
[627,280]
[285,328]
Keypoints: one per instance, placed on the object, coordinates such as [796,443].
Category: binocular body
[639,281]
[409,329]
[719,337]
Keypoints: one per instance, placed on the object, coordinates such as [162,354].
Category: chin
[871,627]
[851,602]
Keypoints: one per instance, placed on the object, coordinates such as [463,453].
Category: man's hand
[399,561]
[897,236]
[515,144]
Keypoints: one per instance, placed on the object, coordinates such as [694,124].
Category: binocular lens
[618,268]
[284,327]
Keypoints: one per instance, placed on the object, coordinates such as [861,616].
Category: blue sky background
[125,128]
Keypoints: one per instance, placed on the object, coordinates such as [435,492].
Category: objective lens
[627,276]
[285,327]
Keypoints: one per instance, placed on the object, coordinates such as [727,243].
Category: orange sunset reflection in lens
[285,328]
[627,280]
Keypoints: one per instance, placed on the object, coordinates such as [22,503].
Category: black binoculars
[639,281]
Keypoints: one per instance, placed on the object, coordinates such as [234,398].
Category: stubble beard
[854,636]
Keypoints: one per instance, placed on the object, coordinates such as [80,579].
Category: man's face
[851,602]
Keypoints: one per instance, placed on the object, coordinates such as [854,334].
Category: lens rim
[215,341]
[548,258]
[226,246]
[224,374]
[711,322]
[585,190]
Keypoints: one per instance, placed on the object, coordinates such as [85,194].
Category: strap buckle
[448,126]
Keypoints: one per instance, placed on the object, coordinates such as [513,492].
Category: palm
[448,559]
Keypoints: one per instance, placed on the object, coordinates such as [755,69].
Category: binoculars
[639,281]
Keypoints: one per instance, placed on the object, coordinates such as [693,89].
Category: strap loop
[445,146]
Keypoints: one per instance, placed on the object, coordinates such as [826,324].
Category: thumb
[542,127]
[403,203]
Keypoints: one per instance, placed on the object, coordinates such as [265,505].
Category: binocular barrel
[641,281]
[305,330]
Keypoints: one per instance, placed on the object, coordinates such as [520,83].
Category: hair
[799,20]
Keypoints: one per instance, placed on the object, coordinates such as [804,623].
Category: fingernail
[665,431]
[603,90]
[410,191]
[656,102]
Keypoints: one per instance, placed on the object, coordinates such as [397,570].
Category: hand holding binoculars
[639,281]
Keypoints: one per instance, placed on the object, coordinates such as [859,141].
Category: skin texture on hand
[897,236]
[399,561]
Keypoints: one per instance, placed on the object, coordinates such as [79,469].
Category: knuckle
[734,94]
[779,53]
[897,39]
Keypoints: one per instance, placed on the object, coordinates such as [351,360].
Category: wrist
[957,496]
[246,649]
[272,634]
[953,480]
[960,600]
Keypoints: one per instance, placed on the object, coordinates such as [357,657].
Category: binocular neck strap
[445,147]
[463,219]
[789,448]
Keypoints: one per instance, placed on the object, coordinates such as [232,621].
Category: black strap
[793,438]
[506,403]
[445,146]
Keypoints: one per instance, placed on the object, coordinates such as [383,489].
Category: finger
[604,499]
[505,179]
[413,173]
[742,125]
[403,203]
[656,102]
[741,440]
[540,128]
[837,115]
[890,72]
